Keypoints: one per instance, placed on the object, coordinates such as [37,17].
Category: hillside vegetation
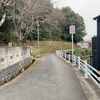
[50,46]
[20,20]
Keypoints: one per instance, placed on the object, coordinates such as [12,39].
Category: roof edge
[97,17]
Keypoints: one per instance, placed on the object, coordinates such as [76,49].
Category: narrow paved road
[51,79]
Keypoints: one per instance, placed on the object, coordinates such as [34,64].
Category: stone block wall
[12,60]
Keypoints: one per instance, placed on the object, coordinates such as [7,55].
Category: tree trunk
[19,42]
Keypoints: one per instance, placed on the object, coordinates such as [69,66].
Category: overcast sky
[88,9]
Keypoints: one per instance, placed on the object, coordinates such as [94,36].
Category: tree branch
[6,3]
[3,19]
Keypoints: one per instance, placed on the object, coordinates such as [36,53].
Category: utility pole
[38,51]
[72,45]
[38,32]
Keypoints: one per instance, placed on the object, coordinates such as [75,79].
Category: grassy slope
[51,46]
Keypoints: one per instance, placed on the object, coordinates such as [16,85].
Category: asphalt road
[50,79]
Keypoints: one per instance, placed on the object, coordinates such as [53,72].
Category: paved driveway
[50,79]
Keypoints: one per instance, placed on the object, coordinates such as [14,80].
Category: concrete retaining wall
[12,60]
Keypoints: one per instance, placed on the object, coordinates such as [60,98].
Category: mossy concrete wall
[12,60]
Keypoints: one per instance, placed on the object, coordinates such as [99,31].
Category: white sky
[88,9]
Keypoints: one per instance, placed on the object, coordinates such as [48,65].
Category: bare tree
[4,3]
[27,13]
[55,22]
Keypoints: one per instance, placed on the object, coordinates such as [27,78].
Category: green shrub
[84,53]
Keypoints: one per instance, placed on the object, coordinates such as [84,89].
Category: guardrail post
[62,54]
[79,63]
[86,71]
[65,55]
[74,60]
[58,53]
[69,57]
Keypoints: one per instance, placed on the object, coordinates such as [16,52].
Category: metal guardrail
[82,65]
